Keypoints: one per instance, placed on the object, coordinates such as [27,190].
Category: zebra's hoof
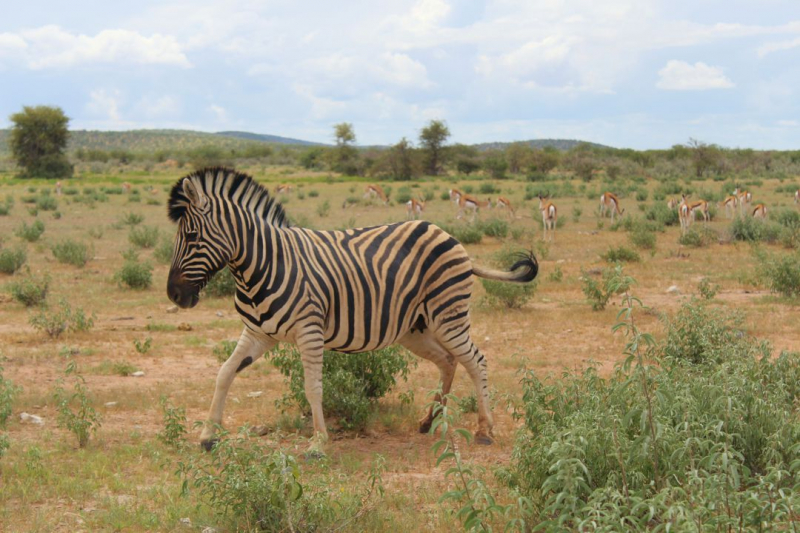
[209,444]
[425,426]
[483,439]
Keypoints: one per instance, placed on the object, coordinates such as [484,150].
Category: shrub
[163,252]
[714,445]
[56,322]
[135,275]
[403,195]
[641,195]
[751,230]
[174,432]
[576,214]
[143,236]
[698,237]
[30,290]
[621,254]
[313,193]
[466,234]
[643,238]
[707,289]
[352,383]
[30,233]
[45,202]
[224,350]
[131,219]
[72,253]
[84,420]
[556,275]
[494,227]
[488,188]
[8,392]
[780,273]
[600,292]
[222,284]
[662,215]
[508,295]
[324,209]
[12,260]
[143,347]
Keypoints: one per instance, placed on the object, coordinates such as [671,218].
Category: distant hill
[266,138]
[560,144]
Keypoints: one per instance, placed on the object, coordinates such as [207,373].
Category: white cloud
[219,112]
[681,76]
[158,107]
[777,46]
[788,123]
[52,47]
[105,104]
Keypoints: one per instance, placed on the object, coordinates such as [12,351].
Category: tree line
[38,143]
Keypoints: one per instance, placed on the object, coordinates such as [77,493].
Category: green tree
[39,140]
[402,162]
[344,156]
[517,154]
[432,139]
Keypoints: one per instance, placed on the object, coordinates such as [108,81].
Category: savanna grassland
[126,478]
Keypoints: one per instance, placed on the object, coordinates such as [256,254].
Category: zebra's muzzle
[181,293]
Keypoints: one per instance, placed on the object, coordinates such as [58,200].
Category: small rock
[486,339]
[596,271]
[172,309]
[186,522]
[184,326]
[560,262]
[111,404]
[673,290]
[254,394]
[138,374]
[219,314]
[209,530]
[33,419]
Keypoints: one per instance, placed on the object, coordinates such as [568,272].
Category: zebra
[349,291]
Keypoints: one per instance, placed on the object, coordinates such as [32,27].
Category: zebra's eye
[191,236]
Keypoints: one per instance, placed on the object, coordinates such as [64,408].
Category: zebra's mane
[235,187]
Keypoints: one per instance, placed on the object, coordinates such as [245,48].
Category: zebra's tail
[523,271]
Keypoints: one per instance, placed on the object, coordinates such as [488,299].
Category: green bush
[600,292]
[82,420]
[698,237]
[72,253]
[12,260]
[508,295]
[699,447]
[403,195]
[45,202]
[56,322]
[314,193]
[324,209]
[131,219]
[30,233]
[487,187]
[222,284]
[8,392]
[30,290]
[163,252]
[621,254]
[780,273]
[662,215]
[352,383]
[224,350]
[494,227]
[643,238]
[143,236]
[751,230]
[134,275]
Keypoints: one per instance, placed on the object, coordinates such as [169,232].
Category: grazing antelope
[673,203]
[797,196]
[414,208]
[376,191]
[505,203]
[126,187]
[610,201]
[58,188]
[743,197]
[702,207]
[473,204]
[730,203]
[549,216]
[685,215]
[455,195]
[350,291]
[760,211]
[284,189]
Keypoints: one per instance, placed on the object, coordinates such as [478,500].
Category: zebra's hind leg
[427,346]
[455,338]
[248,349]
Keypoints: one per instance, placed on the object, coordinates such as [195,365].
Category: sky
[639,74]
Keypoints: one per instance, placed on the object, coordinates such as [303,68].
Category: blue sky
[627,73]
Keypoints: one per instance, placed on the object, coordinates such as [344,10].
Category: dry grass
[120,481]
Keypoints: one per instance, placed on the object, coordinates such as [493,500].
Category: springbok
[455,195]
[549,217]
[672,203]
[283,189]
[702,207]
[797,196]
[58,188]
[376,191]
[126,187]
[743,197]
[610,201]
[760,211]
[729,203]
[505,203]
[414,208]
[473,204]
[685,214]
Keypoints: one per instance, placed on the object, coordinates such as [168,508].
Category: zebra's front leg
[248,349]
[310,343]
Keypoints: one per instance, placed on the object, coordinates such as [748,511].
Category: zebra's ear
[195,196]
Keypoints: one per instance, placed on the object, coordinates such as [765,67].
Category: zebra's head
[202,247]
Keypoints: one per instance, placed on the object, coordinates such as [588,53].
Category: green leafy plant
[174,432]
[143,236]
[621,254]
[707,290]
[163,252]
[30,233]
[72,253]
[8,392]
[144,346]
[56,322]
[12,259]
[131,219]
[324,209]
[224,350]
[82,420]
[135,275]
[779,272]
[600,292]
[30,290]
[221,285]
